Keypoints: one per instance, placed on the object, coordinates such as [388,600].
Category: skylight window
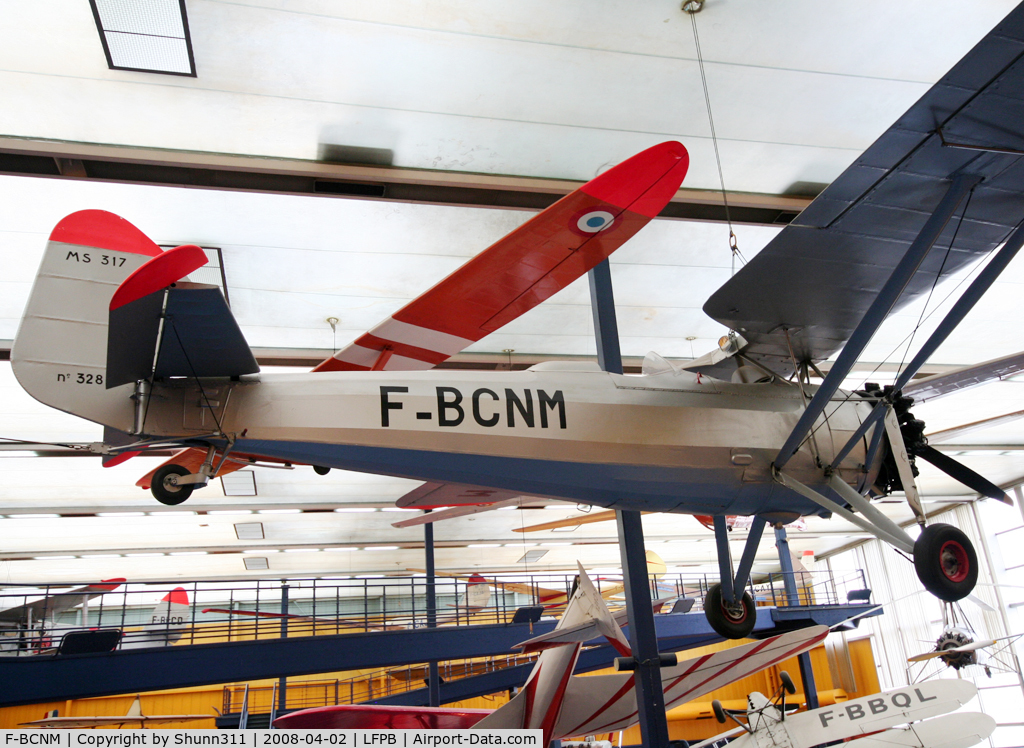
[150,36]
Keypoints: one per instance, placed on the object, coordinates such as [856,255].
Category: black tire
[946,562]
[733,622]
[166,492]
[716,707]
[787,683]
[321,470]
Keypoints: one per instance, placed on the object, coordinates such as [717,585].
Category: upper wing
[541,257]
[604,703]
[818,277]
[60,601]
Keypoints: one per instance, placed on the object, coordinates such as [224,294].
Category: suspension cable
[692,8]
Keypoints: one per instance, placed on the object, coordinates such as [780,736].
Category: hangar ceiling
[466,105]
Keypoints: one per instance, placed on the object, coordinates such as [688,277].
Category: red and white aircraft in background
[113,334]
[31,628]
[561,704]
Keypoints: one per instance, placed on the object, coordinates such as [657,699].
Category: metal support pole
[650,698]
[643,639]
[606,331]
[282,687]
[724,559]
[433,679]
[878,311]
[793,598]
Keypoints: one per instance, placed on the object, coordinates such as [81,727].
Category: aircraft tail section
[478,593]
[59,354]
[167,623]
[135,710]
[110,308]
[539,704]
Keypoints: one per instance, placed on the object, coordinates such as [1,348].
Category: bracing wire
[202,390]
[924,317]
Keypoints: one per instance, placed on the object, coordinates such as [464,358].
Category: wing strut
[879,309]
[964,304]
[870,519]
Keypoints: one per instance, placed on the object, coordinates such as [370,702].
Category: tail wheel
[946,562]
[731,620]
[165,485]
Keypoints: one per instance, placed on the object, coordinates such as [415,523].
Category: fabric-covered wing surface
[820,274]
[531,264]
[603,703]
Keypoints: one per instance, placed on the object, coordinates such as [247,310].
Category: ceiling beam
[220,171]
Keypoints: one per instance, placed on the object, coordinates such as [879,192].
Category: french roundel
[594,221]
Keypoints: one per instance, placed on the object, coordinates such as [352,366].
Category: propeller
[901,425]
[960,472]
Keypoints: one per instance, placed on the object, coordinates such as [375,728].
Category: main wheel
[946,562]
[716,707]
[321,470]
[787,683]
[166,488]
[733,621]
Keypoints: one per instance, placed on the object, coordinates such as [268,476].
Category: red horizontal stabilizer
[517,273]
[369,717]
[160,272]
[103,230]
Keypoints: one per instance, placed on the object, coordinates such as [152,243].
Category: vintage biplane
[114,333]
[561,704]
[899,717]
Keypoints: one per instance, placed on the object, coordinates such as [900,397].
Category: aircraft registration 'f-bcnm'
[113,333]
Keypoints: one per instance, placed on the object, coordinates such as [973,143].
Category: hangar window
[149,36]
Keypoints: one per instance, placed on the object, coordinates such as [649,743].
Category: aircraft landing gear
[946,562]
[731,620]
[729,609]
[165,487]
[172,483]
